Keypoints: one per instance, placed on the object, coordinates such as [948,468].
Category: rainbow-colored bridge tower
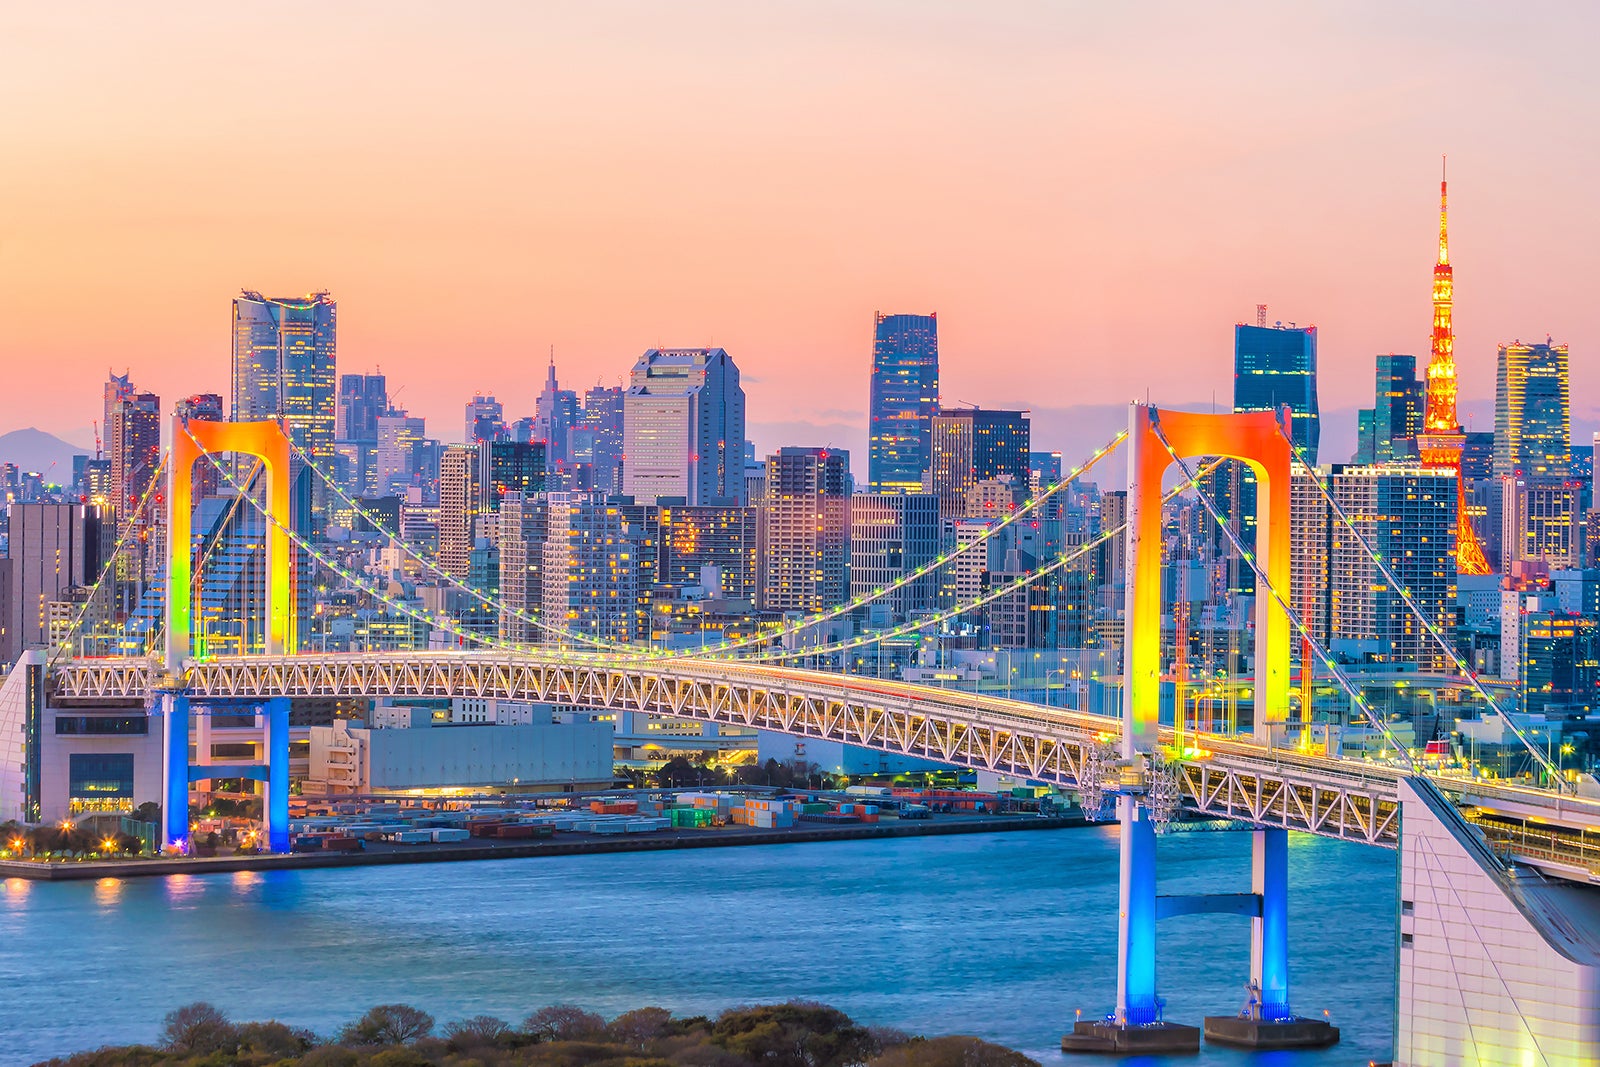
[267,441]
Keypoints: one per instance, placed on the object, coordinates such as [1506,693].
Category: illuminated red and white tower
[1442,438]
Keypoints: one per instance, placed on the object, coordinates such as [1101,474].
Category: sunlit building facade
[683,428]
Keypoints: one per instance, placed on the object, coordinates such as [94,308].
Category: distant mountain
[45,453]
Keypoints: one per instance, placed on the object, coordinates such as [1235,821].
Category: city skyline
[1039,265]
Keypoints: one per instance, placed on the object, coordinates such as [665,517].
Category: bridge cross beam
[178,772]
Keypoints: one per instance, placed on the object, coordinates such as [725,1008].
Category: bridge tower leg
[275,802]
[1137,1004]
[175,768]
[1269,931]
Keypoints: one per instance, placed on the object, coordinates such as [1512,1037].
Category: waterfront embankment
[564,844]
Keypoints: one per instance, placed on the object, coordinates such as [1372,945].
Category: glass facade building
[1275,366]
[903,400]
[1532,412]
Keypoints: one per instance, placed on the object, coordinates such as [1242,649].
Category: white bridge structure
[1499,916]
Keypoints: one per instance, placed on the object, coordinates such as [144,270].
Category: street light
[1047,675]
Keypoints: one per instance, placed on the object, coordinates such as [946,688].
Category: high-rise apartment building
[459,506]
[1532,413]
[903,399]
[524,527]
[135,444]
[805,530]
[486,420]
[1274,366]
[891,535]
[972,445]
[284,353]
[696,537]
[600,558]
[683,428]
[1540,521]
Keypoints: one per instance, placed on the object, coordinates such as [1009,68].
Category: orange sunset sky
[1089,194]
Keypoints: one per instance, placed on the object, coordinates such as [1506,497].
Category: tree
[951,1052]
[676,772]
[149,811]
[198,1029]
[796,1034]
[274,1039]
[640,1026]
[388,1024]
[563,1022]
[476,1032]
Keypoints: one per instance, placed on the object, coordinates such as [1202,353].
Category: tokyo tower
[1442,438]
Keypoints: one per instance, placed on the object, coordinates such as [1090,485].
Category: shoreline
[573,845]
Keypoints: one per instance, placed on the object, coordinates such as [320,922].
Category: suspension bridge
[1498,960]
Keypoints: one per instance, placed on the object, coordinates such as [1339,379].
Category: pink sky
[1088,194]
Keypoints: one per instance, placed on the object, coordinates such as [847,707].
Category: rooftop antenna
[1261,316]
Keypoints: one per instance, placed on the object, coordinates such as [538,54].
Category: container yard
[354,832]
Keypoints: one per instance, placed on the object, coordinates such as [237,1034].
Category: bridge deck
[1233,778]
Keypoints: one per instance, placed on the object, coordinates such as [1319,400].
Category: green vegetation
[397,1035]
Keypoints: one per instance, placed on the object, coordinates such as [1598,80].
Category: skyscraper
[524,524]
[509,467]
[134,437]
[52,548]
[206,479]
[1442,437]
[555,411]
[1275,366]
[805,530]
[972,445]
[595,441]
[485,420]
[458,509]
[118,387]
[284,352]
[1397,410]
[599,565]
[693,538]
[1533,412]
[362,399]
[683,428]
[283,365]
[903,399]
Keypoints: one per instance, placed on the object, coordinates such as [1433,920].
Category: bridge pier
[1269,931]
[175,769]
[275,799]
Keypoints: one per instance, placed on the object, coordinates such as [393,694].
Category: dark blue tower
[905,397]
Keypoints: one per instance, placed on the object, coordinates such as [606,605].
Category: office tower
[400,442]
[1407,516]
[891,535]
[363,398]
[972,445]
[1044,469]
[696,537]
[51,549]
[599,567]
[1114,516]
[458,509]
[683,428]
[1558,659]
[1477,456]
[1366,434]
[555,413]
[1274,366]
[1540,521]
[524,526]
[1023,617]
[284,351]
[507,467]
[1396,415]
[903,398]
[805,530]
[135,444]
[206,479]
[95,486]
[118,387]
[1532,412]
[594,443]
[485,420]
[1442,439]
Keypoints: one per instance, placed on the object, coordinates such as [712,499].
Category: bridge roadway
[1229,778]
